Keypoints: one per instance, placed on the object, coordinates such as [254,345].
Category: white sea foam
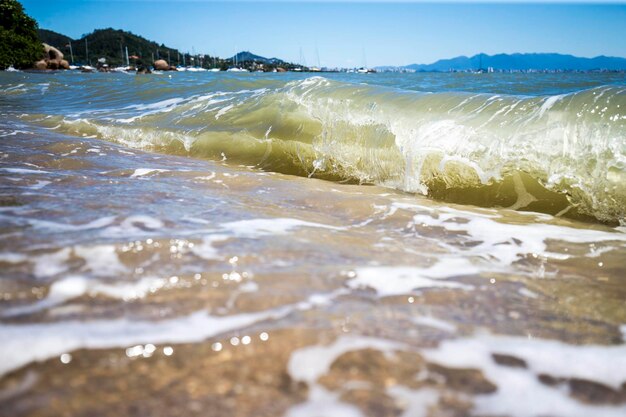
[322,403]
[51,264]
[519,392]
[163,106]
[206,250]
[277,226]
[39,185]
[76,286]
[26,343]
[414,402]
[310,363]
[505,242]
[101,260]
[55,227]
[224,110]
[392,280]
[159,105]
[141,172]
[144,221]
[435,323]
[12,258]
[24,171]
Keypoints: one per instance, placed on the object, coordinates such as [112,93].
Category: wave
[562,154]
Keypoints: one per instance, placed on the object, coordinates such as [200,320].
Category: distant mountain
[110,44]
[523,62]
[249,56]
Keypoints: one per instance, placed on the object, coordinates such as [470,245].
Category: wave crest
[563,154]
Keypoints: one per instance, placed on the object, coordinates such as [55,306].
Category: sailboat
[364,69]
[480,65]
[236,68]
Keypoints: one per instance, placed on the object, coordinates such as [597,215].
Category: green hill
[110,44]
[53,39]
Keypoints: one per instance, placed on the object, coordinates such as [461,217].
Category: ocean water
[220,244]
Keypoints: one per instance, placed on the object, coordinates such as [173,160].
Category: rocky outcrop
[161,65]
[52,59]
[52,53]
[41,65]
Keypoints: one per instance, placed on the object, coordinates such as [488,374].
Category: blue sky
[350,33]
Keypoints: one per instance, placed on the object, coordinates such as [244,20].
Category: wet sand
[136,283]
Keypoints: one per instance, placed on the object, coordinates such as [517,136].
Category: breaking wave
[562,154]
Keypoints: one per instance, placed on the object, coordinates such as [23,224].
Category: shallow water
[251,245]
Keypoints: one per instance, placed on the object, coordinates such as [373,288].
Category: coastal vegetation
[20,46]
[114,44]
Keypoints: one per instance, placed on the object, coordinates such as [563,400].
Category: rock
[53,58]
[471,381]
[41,65]
[143,70]
[508,360]
[161,65]
[173,68]
[52,53]
[595,393]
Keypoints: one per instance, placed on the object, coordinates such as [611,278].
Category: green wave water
[561,154]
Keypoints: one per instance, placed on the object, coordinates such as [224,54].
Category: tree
[19,43]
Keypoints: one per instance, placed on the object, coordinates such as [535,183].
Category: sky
[350,33]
